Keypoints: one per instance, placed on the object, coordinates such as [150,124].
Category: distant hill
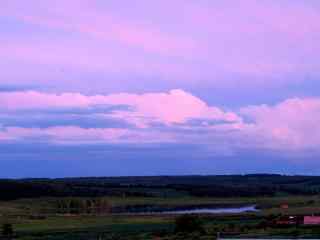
[163,186]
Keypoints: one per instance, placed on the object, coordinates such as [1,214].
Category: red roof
[284,206]
[311,220]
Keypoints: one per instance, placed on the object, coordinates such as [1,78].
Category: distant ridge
[249,185]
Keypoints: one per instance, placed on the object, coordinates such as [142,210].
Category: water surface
[211,210]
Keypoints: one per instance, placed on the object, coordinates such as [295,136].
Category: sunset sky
[159,87]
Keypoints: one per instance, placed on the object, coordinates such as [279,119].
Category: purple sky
[159,87]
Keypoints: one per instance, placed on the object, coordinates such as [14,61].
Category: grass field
[266,203]
[123,226]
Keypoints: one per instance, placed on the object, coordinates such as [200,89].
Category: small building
[311,220]
[297,220]
[289,220]
[284,206]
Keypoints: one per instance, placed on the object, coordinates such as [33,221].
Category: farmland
[117,211]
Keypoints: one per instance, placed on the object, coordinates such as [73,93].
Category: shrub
[188,223]
[7,230]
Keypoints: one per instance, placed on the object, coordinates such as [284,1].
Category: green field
[112,207]
[20,213]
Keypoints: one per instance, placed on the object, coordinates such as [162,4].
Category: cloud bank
[176,117]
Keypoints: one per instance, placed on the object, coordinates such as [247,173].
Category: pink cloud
[38,100]
[87,19]
[73,135]
[66,134]
[207,43]
[291,124]
[176,106]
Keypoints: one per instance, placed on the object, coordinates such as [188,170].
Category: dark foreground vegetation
[126,207]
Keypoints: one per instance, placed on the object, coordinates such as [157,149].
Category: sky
[170,87]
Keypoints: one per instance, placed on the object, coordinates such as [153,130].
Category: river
[251,208]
